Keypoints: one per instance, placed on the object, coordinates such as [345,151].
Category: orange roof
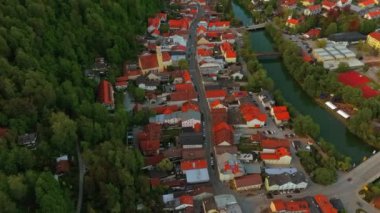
[282,116]
[291,206]
[186,76]
[279,109]
[182,87]
[373,14]
[230,54]
[178,24]
[201,29]
[183,95]
[148,61]
[216,93]
[227,36]
[225,46]
[219,24]
[204,52]
[250,112]
[220,126]
[213,34]
[328,4]
[279,153]
[375,35]
[274,143]
[324,204]
[162,109]
[215,103]
[190,105]
[105,92]
[367,2]
[193,164]
[292,21]
[186,199]
[248,180]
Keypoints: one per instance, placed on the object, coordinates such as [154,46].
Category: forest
[45,46]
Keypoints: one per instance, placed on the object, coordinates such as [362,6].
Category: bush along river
[332,130]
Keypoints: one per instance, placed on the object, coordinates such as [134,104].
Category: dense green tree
[304,125]
[324,176]
[331,29]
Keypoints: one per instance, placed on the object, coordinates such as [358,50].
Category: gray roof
[190,115]
[348,36]
[252,168]
[192,138]
[147,82]
[337,203]
[284,178]
[278,171]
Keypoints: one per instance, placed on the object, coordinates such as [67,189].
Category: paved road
[219,187]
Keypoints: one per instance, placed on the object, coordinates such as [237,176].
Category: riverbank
[331,129]
[326,83]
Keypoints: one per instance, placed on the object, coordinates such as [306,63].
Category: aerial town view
[190,106]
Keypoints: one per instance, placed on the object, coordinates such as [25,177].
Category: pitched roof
[105,92]
[314,33]
[163,109]
[216,93]
[324,204]
[291,206]
[148,61]
[289,2]
[223,133]
[374,14]
[179,23]
[314,7]
[367,2]
[193,164]
[274,143]
[204,52]
[186,76]
[250,112]
[278,154]
[185,86]
[186,199]
[282,116]
[328,3]
[192,154]
[219,115]
[190,105]
[375,35]
[218,24]
[292,21]
[153,160]
[185,95]
[248,180]
[215,103]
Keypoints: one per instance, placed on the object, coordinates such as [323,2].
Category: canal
[332,130]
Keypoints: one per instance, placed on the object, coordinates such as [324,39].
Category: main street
[219,188]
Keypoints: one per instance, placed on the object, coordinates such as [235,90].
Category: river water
[332,130]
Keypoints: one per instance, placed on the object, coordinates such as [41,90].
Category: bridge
[256,26]
[267,55]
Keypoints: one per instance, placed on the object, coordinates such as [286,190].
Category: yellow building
[307,2]
[373,40]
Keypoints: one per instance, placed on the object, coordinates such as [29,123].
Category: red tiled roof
[178,48]
[324,204]
[223,133]
[250,112]
[148,61]
[204,52]
[277,109]
[184,87]
[219,115]
[367,2]
[215,103]
[151,131]
[216,93]
[227,36]
[105,92]
[166,56]
[240,94]
[162,109]
[273,143]
[248,180]
[193,164]
[219,24]
[280,152]
[220,126]
[133,73]
[185,95]
[122,78]
[172,152]
[179,24]
[258,137]
[185,199]
[306,57]
[375,35]
[223,149]
[293,21]
[213,34]
[376,202]
[282,116]
[328,4]
[186,76]
[192,154]
[353,78]
[156,32]
[230,54]
[291,206]
[154,22]
[121,83]
[374,14]
[314,7]
[314,33]
[190,105]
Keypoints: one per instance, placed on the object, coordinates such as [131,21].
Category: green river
[332,130]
